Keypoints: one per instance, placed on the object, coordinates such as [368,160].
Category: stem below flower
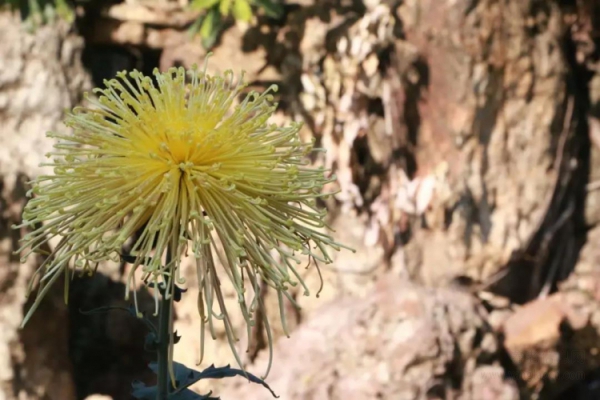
[164,340]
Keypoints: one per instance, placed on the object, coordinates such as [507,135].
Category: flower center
[177,150]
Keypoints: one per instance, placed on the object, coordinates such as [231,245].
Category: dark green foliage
[185,377]
[211,23]
[38,12]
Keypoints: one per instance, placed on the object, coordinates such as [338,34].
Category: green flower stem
[164,340]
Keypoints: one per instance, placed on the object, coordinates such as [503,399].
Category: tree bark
[41,75]
[503,101]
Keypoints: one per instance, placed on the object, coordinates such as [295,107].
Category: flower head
[176,160]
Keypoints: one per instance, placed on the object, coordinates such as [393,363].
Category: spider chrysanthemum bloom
[175,160]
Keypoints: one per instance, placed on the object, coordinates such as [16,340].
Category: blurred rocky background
[465,137]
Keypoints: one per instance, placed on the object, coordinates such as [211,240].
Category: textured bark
[474,168]
[465,137]
[502,105]
[40,75]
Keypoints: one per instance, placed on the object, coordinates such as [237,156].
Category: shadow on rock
[107,349]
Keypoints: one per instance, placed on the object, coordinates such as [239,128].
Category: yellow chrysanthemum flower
[174,160]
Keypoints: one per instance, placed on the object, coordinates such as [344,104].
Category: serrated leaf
[186,376]
[200,5]
[177,293]
[183,375]
[242,10]
[142,392]
[227,372]
[272,8]
[176,337]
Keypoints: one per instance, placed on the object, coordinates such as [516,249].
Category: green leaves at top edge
[211,27]
[241,10]
[272,8]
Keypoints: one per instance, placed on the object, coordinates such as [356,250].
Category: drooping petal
[176,160]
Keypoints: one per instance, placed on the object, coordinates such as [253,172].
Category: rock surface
[41,74]
[464,137]
[400,341]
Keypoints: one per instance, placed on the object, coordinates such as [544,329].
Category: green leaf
[242,10]
[64,10]
[273,8]
[224,7]
[208,24]
[200,5]
[211,27]
[195,27]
